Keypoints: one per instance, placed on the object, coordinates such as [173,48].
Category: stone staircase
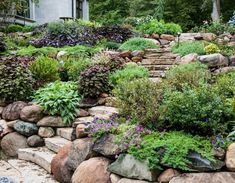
[158,61]
[43,156]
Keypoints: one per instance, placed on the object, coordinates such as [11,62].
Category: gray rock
[25,128]
[201,164]
[4,129]
[128,166]
[12,142]
[232,60]
[6,180]
[220,177]
[125,180]
[35,141]
[51,121]
[12,111]
[106,146]
[32,113]
[46,132]
[230,157]
[81,150]
[214,60]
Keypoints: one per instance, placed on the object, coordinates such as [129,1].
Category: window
[25,12]
[79,8]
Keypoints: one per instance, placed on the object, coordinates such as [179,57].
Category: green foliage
[59,98]
[171,149]
[94,81]
[74,67]
[198,110]
[16,81]
[77,51]
[225,84]
[227,50]
[216,28]
[211,48]
[135,44]
[159,27]
[45,69]
[112,45]
[129,73]
[13,28]
[193,74]
[186,48]
[139,101]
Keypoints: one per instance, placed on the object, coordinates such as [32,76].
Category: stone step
[55,143]
[41,156]
[66,133]
[156,79]
[158,61]
[160,74]
[28,172]
[159,50]
[158,67]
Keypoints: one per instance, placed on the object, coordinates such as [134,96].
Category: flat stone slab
[41,156]
[55,143]
[30,172]
[6,170]
[66,133]
[102,110]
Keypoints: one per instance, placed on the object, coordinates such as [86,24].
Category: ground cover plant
[186,48]
[59,98]
[135,44]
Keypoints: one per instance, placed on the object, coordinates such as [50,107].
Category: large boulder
[125,180]
[59,169]
[46,132]
[32,113]
[214,60]
[103,110]
[12,142]
[167,37]
[130,167]
[220,177]
[12,111]
[208,36]
[93,170]
[230,157]
[106,146]
[189,58]
[35,141]
[51,121]
[232,60]
[224,70]
[81,150]
[25,128]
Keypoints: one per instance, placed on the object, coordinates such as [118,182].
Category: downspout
[73,9]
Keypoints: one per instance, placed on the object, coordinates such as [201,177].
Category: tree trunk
[215,15]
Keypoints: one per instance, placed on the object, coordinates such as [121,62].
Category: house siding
[52,10]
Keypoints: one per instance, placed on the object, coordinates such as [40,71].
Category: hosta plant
[59,98]
[16,81]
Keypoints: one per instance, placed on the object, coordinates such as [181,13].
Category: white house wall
[52,10]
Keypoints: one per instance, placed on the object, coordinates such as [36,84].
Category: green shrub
[45,69]
[13,28]
[171,149]
[227,50]
[94,81]
[225,84]
[134,44]
[138,101]
[159,27]
[211,48]
[32,51]
[129,73]
[192,74]
[186,48]
[59,98]
[74,67]
[112,45]
[198,110]
[16,81]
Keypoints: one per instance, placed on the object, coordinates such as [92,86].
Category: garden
[136,102]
